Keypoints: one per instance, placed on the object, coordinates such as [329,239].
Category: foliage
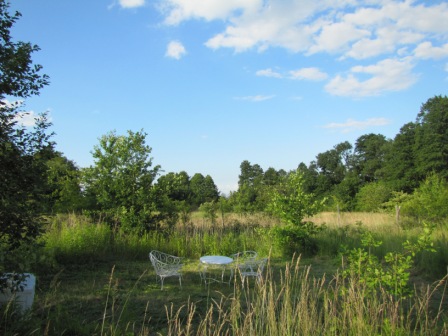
[209,209]
[63,186]
[203,189]
[372,196]
[393,275]
[121,180]
[23,152]
[19,77]
[431,138]
[291,204]
[429,200]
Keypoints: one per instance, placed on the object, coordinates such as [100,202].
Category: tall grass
[74,239]
[301,305]
[292,300]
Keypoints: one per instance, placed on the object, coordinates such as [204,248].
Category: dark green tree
[203,189]
[399,169]
[175,185]
[369,156]
[431,138]
[23,152]
[64,186]
[333,164]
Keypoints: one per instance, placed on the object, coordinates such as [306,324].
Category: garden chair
[166,265]
[252,268]
[244,255]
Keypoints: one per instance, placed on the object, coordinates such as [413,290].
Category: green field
[92,282]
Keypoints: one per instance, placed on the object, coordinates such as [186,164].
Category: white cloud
[349,30]
[313,74]
[426,50]
[257,98]
[310,26]
[131,3]
[386,75]
[182,10]
[27,119]
[353,125]
[175,50]
[337,37]
[268,73]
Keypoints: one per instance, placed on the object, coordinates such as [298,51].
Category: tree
[19,77]
[121,179]
[292,205]
[175,185]
[399,168]
[251,175]
[332,164]
[373,196]
[203,189]
[432,137]
[369,156]
[22,152]
[250,185]
[64,185]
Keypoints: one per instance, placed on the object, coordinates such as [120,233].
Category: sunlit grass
[103,284]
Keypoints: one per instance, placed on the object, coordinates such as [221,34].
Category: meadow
[94,281]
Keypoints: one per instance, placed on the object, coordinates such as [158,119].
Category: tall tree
[332,164]
[251,175]
[399,168]
[203,189]
[22,151]
[432,137]
[369,156]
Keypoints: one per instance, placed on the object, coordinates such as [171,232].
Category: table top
[216,260]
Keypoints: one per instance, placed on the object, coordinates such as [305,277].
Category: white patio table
[215,261]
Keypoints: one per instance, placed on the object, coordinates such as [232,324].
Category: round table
[215,261]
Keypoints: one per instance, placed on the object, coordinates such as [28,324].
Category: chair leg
[161,280]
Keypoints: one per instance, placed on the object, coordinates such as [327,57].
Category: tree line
[370,174]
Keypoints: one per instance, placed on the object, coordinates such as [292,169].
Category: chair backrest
[164,263]
[253,267]
[164,257]
[245,255]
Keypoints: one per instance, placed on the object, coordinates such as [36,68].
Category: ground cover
[112,290]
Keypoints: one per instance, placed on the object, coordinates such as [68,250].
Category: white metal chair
[166,265]
[244,255]
[252,268]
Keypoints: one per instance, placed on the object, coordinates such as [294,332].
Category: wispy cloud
[353,125]
[313,74]
[131,3]
[257,98]
[26,119]
[175,50]
[268,73]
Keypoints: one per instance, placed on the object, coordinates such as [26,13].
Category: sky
[216,82]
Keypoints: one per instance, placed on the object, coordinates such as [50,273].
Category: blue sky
[217,82]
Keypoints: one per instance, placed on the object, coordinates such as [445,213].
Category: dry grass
[368,219]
